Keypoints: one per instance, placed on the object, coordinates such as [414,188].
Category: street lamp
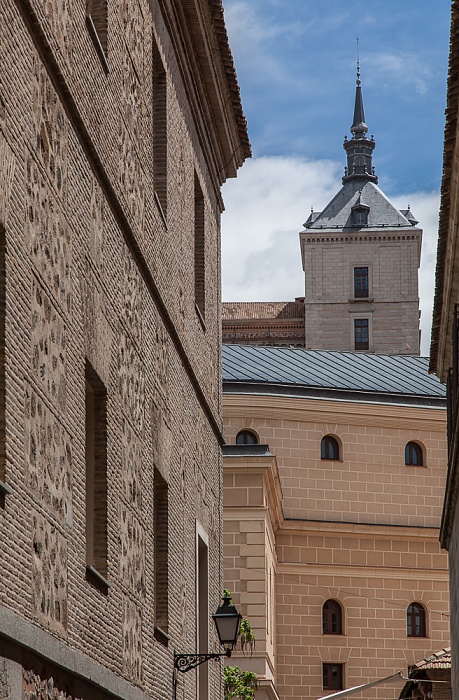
[227,621]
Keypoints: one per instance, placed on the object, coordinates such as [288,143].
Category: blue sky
[295,62]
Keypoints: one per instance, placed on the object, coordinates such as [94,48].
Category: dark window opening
[360,217]
[246,437]
[361,335]
[416,620]
[332,676]
[161,557]
[413,454]
[329,448]
[360,282]
[97,24]
[96,472]
[159,131]
[332,617]
[199,249]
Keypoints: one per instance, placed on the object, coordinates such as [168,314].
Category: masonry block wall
[392,306]
[362,530]
[97,273]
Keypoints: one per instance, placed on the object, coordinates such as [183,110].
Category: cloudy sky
[295,61]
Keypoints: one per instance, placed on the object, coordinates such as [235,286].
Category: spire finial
[358,81]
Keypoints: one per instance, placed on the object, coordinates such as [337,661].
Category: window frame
[362,345]
[360,278]
[247,432]
[329,666]
[415,628]
[327,617]
[325,444]
[411,448]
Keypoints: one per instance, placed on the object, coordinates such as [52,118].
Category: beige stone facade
[118,124]
[392,258]
[361,530]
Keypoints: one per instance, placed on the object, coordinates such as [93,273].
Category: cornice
[408,573]
[332,411]
[359,530]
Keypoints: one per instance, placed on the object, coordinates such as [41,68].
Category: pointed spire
[358,128]
[359,149]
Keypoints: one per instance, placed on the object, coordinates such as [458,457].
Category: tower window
[361,335]
[332,617]
[416,620]
[413,454]
[360,217]
[332,676]
[361,282]
[329,448]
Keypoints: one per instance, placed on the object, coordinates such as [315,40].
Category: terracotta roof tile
[244,310]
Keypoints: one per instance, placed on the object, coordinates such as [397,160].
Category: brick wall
[94,273]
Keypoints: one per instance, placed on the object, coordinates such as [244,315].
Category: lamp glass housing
[227,621]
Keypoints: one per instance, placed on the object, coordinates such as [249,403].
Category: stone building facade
[313,534]
[444,351]
[118,124]
[264,323]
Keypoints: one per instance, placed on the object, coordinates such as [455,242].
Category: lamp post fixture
[227,620]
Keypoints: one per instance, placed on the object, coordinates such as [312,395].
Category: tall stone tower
[361,257]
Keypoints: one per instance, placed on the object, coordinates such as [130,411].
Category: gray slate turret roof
[338,213]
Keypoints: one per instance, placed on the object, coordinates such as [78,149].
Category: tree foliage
[239,684]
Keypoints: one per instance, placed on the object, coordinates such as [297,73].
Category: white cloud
[403,69]
[266,207]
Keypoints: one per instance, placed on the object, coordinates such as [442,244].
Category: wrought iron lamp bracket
[185,662]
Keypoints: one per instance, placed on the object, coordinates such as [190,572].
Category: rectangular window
[203,616]
[96,478]
[360,282]
[159,131]
[199,249]
[97,23]
[161,557]
[361,334]
[332,676]
[4,489]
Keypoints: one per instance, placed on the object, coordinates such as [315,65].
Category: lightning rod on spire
[358,81]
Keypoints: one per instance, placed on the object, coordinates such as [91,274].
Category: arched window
[416,620]
[413,454]
[246,437]
[329,448]
[332,617]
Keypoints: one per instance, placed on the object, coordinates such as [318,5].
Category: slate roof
[356,376]
[338,213]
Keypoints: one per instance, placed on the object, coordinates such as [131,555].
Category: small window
[246,437]
[413,455]
[361,335]
[361,282]
[360,217]
[416,620]
[332,617]
[332,676]
[329,448]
